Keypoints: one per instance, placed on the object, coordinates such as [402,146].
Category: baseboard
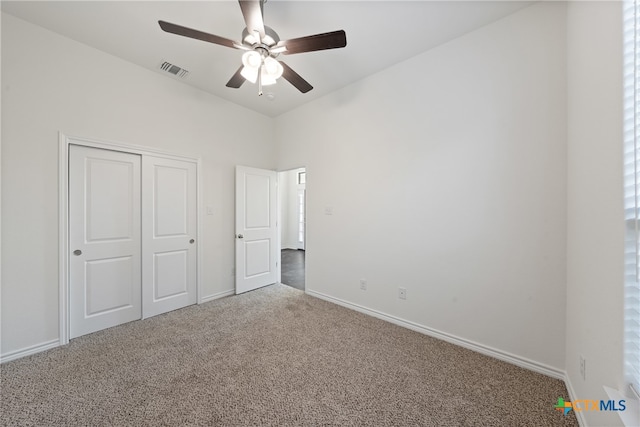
[28,351]
[486,350]
[17,354]
[573,396]
[216,296]
[471,345]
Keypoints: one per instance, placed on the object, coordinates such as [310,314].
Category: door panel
[256,199]
[109,285]
[105,239]
[256,244]
[171,199]
[109,199]
[169,230]
[170,274]
[257,258]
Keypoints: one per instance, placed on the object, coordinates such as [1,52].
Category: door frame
[64,141]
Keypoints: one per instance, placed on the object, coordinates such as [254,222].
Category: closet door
[169,215]
[104,239]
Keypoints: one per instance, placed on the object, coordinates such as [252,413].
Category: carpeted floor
[274,356]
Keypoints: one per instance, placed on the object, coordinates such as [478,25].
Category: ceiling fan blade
[332,40]
[198,35]
[236,80]
[294,78]
[252,11]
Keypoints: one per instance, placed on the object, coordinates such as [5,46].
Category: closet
[131,236]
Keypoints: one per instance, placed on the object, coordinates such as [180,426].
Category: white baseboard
[17,354]
[486,350]
[471,345]
[28,351]
[217,296]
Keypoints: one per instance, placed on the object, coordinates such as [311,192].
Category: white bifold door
[132,229]
[256,245]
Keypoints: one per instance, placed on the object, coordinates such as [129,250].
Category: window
[632,190]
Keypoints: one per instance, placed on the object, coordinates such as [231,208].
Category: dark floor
[293,268]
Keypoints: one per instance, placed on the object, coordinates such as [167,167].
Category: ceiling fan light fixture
[269,69]
[250,74]
[266,78]
[251,59]
[273,68]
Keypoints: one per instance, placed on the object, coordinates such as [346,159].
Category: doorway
[292,197]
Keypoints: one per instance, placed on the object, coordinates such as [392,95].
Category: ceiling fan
[262,46]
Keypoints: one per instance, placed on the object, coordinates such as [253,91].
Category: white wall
[52,84]
[288,191]
[595,240]
[447,176]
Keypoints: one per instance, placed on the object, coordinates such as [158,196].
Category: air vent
[174,69]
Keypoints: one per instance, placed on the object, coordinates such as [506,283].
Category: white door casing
[256,228]
[104,239]
[302,217]
[169,212]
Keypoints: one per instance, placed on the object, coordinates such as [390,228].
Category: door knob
[77,252]
[191,241]
[240,236]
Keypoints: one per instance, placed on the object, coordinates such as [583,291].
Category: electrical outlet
[363,284]
[583,367]
[402,293]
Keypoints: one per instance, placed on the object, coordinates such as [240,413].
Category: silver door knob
[240,236]
[191,241]
[77,252]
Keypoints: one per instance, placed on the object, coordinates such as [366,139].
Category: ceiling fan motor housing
[264,45]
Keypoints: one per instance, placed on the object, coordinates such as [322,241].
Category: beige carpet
[274,356]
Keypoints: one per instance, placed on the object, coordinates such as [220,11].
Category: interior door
[169,210]
[256,229]
[104,238]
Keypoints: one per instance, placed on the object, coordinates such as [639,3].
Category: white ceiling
[379,34]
